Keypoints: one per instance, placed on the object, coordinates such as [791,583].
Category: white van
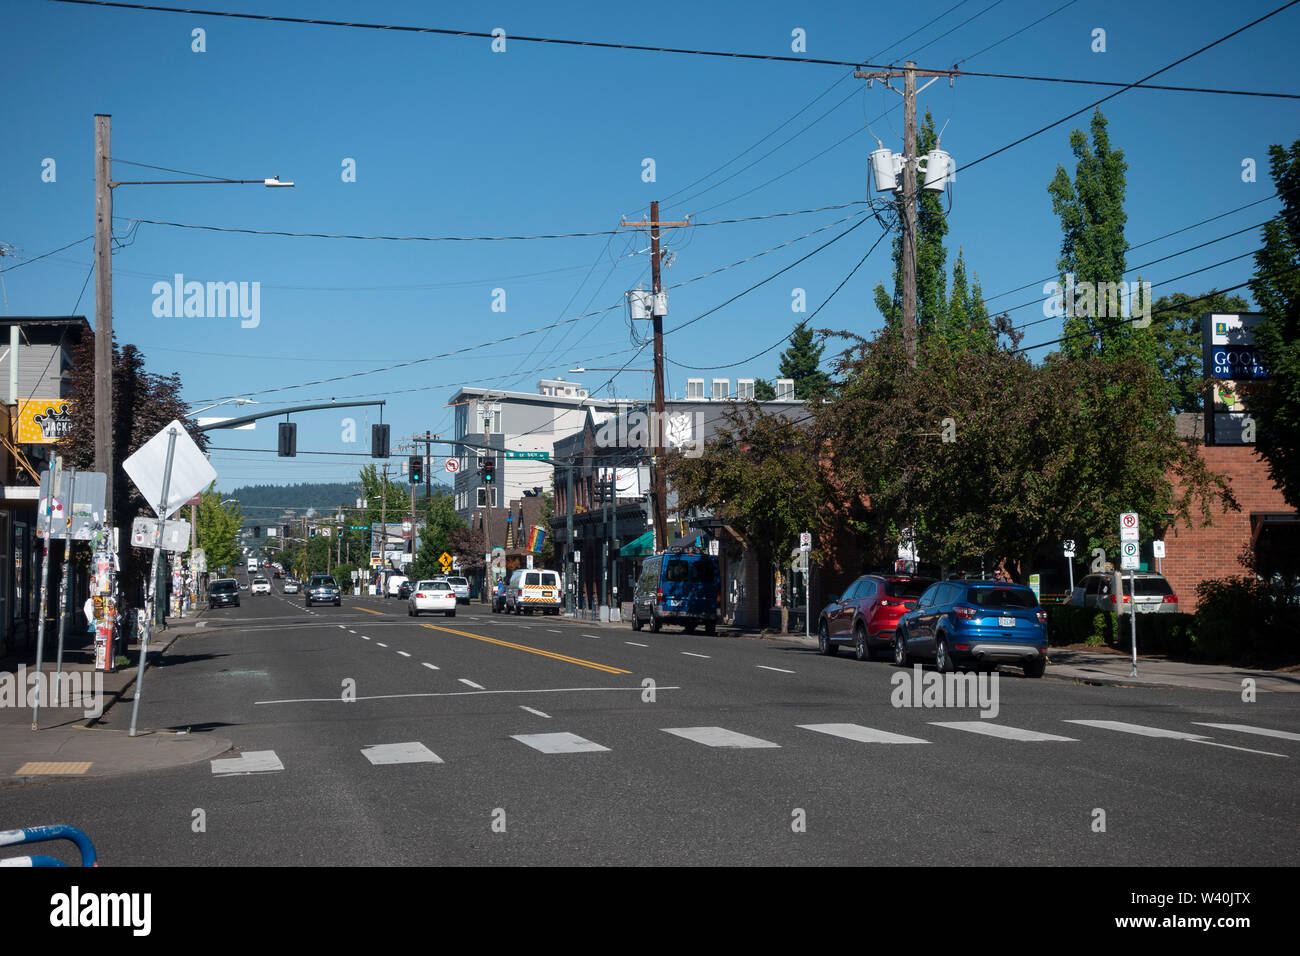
[534,589]
[394,586]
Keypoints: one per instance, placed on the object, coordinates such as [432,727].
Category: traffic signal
[415,467]
[378,441]
[489,470]
[288,440]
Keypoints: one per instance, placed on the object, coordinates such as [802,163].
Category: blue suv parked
[679,586]
[979,622]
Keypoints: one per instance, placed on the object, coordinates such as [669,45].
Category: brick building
[1193,555]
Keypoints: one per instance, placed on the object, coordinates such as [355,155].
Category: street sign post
[1158,552]
[1068,547]
[1128,536]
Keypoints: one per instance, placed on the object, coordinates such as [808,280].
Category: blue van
[679,586]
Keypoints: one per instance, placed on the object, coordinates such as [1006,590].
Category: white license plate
[1146,608]
[1007,621]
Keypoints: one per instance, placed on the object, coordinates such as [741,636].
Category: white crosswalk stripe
[1246,729]
[718,737]
[866,735]
[1140,729]
[411,752]
[999,730]
[255,761]
[562,743]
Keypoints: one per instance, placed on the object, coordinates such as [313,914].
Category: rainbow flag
[536,538]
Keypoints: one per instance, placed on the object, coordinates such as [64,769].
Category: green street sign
[530,455]
[358,527]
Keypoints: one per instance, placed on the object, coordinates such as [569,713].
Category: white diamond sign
[191,471]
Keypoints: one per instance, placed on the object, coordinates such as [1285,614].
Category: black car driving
[223,592]
[323,589]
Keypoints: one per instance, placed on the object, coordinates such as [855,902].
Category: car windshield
[459,581]
[321,581]
[424,586]
[224,587]
[1016,598]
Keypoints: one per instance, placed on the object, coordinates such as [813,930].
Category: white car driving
[432,595]
[261,586]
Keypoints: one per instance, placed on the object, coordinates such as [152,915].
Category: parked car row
[951,623]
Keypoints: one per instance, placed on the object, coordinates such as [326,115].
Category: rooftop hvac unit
[745,389]
[721,389]
[695,388]
[785,389]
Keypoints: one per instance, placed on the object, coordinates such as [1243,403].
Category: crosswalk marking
[1140,729]
[411,752]
[1246,729]
[563,743]
[255,761]
[998,730]
[866,735]
[718,737]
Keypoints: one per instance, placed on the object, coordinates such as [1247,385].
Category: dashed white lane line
[999,730]
[866,735]
[635,644]
[432,667]
[559,743]
[363,637]
[719,737]
[780,669]
[255,761]
[705,656]
[404,654]
[1246,729]
[470,683]
[537,712]
[412,752]
[554,631]
[381,643]
[596,636]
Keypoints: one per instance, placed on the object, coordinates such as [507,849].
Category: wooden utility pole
[657,429]
[909,73]
[104,307]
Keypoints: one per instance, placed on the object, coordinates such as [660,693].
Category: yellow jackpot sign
[43,421]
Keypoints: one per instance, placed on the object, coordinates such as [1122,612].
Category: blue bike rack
[42,834]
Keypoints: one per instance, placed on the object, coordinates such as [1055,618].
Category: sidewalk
[1088,666]
[68,742]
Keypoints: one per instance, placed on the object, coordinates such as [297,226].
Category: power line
[954,29]
[1129,86]
[556,41]
[1012,36]
[27,262]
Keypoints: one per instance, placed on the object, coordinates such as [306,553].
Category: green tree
[217,531]
[931,255]
[1093,248]
[764,391]
[1177,331]
[761,476]
[967,323]
[439,514]
[1275,404]
[801,362]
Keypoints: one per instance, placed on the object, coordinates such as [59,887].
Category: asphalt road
[685,750]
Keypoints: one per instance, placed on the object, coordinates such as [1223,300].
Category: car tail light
[1169,599]
[1042,616]
[962,647]
[659,595]
[965,613]
[419,595]
[1114,599]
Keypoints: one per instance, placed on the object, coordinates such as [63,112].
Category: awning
[638,546]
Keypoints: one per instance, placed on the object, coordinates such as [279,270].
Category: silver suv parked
[1099,591]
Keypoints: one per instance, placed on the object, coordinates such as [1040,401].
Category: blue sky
[452,139]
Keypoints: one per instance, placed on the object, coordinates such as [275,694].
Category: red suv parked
[867,613]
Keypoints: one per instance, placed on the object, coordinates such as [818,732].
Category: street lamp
[103,259]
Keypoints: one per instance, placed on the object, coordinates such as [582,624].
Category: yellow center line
[531,650]
[368,611]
